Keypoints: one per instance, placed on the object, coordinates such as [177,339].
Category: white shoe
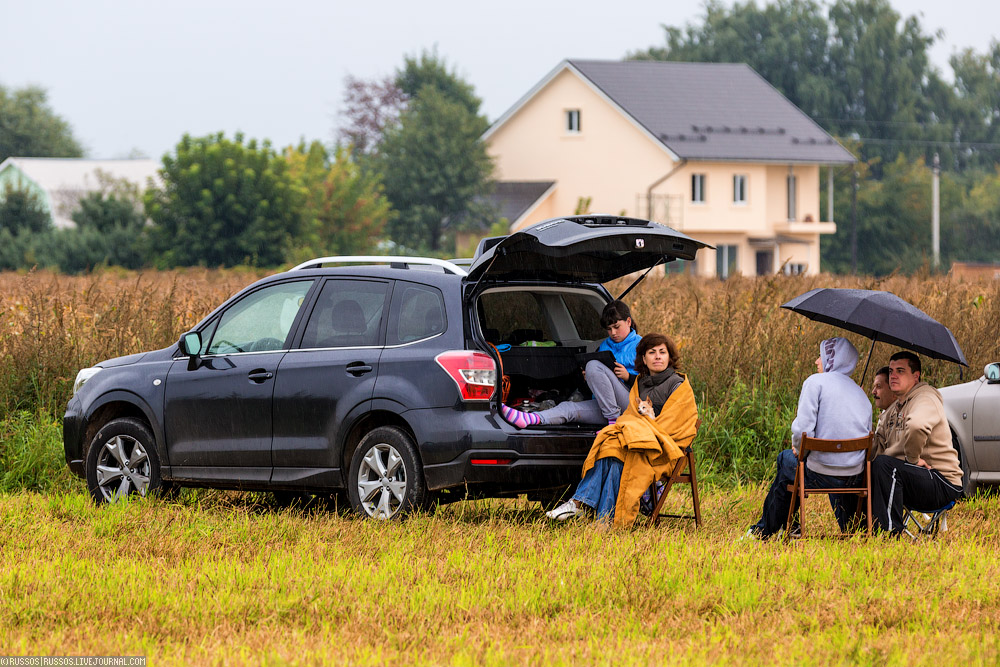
[567,510]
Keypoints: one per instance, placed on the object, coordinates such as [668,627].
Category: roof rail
[449,267]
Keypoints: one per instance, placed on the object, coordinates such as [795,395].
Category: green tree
[21,210]
[434,168]
[113,227]
[223,202]
[785,42]
[30,128]
[345,210]
[856,67]
[894,219]
[431,71]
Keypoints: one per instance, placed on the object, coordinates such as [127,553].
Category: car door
[326,379]
[986,424]
[217,407]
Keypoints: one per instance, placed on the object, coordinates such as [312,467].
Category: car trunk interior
[538,332]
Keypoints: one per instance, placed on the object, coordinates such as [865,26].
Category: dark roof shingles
[689,106]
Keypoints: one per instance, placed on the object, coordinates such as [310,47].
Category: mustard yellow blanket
[647,447]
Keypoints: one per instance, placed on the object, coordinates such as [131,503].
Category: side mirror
[191,344]
[992,373]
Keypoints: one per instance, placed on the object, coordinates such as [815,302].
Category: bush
[31,455]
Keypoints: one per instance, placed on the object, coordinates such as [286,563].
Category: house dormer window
[740,189]
[698,188]
[573,121]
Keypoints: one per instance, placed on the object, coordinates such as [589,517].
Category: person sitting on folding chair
[882,395]
[627,456]
[831,405]
[918,466]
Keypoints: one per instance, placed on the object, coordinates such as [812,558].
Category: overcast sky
[138,75]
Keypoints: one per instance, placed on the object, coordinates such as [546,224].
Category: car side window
[348,313]
[260,321]
[586,313]
[420,313]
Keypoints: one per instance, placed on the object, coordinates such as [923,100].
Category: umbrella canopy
[881,316]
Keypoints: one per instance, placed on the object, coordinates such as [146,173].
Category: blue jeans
[779,499]
[599,487]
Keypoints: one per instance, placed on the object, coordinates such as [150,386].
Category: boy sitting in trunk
[610,388]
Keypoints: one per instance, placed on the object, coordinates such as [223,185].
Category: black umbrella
[881,316]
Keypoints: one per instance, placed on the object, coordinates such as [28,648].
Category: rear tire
[122,461]
[386,480]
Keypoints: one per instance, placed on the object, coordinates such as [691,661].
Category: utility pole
[854,222]
[936,212]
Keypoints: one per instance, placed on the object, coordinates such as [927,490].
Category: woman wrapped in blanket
[638,448]
[610,387]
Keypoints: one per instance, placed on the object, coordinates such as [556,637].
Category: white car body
[973,411]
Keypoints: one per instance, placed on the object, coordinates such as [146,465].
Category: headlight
[83,376]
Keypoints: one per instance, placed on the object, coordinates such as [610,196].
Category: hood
[122,361]
[838,355]
[582,248]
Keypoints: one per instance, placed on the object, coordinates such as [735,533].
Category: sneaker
[567,510]
[751,536]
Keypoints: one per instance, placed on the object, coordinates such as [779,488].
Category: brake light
[475,373]
[490,462]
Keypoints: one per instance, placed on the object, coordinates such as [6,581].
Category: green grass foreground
[220,578]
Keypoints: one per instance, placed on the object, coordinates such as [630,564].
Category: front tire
[386,480]
[122,461]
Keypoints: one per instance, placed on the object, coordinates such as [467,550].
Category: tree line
[408,168]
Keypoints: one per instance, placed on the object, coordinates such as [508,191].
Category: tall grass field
[220,578]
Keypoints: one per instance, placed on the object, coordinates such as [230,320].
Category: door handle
[260,375]
[358,368]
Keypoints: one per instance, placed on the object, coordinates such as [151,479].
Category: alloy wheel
[382,481]
[122,468]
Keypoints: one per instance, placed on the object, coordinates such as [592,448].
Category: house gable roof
[515,199]
[81,174]
[705,111]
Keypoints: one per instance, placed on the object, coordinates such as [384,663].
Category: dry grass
[220,579]
[746,356]
[52,325]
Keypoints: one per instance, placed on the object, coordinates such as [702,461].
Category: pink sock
[518,418]
[612,422]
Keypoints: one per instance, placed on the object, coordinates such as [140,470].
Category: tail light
[475,373]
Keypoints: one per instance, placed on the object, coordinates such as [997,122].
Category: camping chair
[800,492]
[918,524]
[678,476]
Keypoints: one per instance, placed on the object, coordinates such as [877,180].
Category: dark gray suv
[375,377]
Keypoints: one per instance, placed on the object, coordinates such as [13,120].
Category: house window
[573,121]
[791,197]
[698,188]
[725,261]
[739,188]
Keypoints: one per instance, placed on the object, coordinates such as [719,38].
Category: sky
[133,77]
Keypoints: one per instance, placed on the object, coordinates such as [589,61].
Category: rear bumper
[478,448]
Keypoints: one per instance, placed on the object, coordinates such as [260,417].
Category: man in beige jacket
[918,466]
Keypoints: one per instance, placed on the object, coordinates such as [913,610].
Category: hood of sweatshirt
[838,355]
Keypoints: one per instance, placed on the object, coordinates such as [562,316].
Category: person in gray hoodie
[831,406]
